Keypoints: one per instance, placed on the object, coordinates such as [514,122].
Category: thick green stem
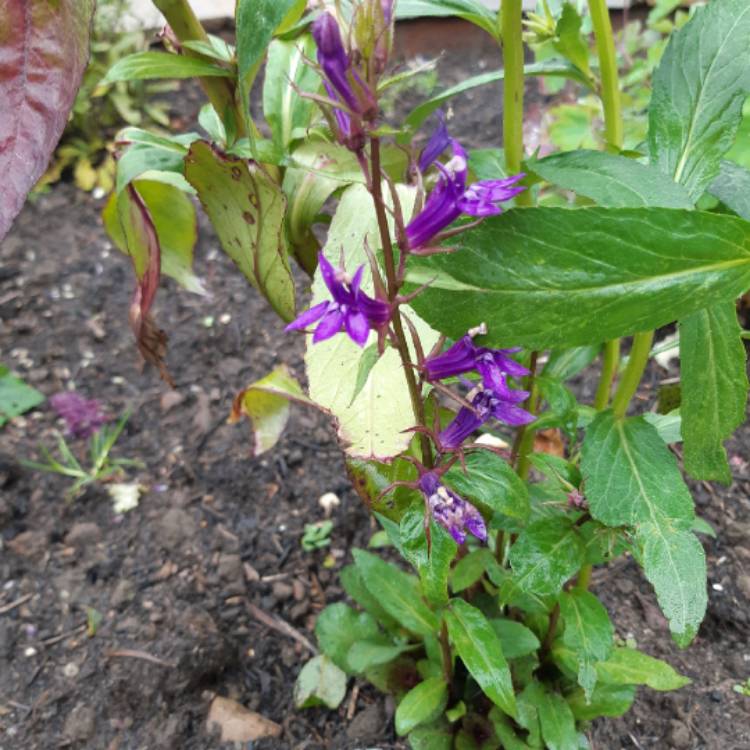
[631,378]
[610,361]
[513,90]
[398,327]
[584,577]
[523,445]
[610,88]
[188,28]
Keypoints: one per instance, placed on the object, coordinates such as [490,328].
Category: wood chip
[237,723]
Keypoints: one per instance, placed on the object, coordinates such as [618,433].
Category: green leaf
[611,180]
[320,683]
[422,111]
[215,48]
[529,276]
[606,700]
[713,379]
[421,705]
[146,65]
[433,569]
[517,640]
[669,426]
[367,361]
[469,569]
[675,565]
[247,211]
[490,481]
[435,737]
[546,554]
[176,226]
[588,633]
[338,628]
[480,650]
[556,720]
[15,396]
[698,92]
[505,731]
[631,476]
[351,580]
[570,43]
[567,363]
[732,188]
[627,666]
[267,403]
[469,10]
[364,655]
[286,112]
[397,592]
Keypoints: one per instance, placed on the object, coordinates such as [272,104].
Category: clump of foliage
[449,313]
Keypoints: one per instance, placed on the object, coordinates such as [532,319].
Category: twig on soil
[280,626]
[352,707]
[133,654]
[17,603]
[57,638]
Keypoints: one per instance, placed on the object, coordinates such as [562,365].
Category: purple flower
[439,141]
[83,417]
[451,197]
[350,309]
[465,355]
[486,403]
[453,513]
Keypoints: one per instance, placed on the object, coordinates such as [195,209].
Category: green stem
[513,89]
[584,577]
[524,443]
[610,88]
[187,28]
[610,360]
[637,362]
[402,346]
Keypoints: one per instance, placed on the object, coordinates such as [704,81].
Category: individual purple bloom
[453,513]
[439,141]
[350,310]
[83,417]
[450,197]
[333,58]
[387,6]
[486,403]
[465,355]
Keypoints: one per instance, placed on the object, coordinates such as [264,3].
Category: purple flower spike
[350,310]
[333,58]
[439,141]
[83,417]
[453,513]
[450,197]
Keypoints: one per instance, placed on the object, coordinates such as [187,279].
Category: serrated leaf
[611,180]
[145,65]
[490,481]
[421,705]
[320,683]
[266,403]
[570,43]
[535,284]
[338,628]
[588,633]
[481,652]
[398,592]
[45,52]
[627,666]
[713,379]
[247,211]
[699,88]
[546,554]
[732,188]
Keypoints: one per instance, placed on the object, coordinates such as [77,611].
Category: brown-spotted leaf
[44,48]
[247,210]
[142,243]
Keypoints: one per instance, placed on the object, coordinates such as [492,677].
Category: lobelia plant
[450,311]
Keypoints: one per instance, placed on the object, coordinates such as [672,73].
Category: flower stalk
[637,362]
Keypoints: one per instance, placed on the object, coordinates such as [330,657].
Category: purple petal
[475,524]
[331,324]
[456,360]
[508,364]
[439,141]
[357,279]
[463,425]
[511,414]
[328,272]
[357,327]
[378,313]
[309,317]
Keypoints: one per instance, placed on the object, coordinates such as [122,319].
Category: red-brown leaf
[43,53]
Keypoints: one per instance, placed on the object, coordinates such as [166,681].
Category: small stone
[123,594]
[738,531]
[329,502]
[679,737]
[80,724]
[230,567]
[83,535]
[282,590]
[367,725]
[71,670]
[743,584]
[176,526]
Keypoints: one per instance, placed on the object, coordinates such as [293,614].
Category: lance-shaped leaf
[267,404]
[544,277]
[43,52]
[699,88]
[611,180]
[632,479]
[247,211]
[147,65]
[713,376]
[421,705]
[470,10]
[142,245]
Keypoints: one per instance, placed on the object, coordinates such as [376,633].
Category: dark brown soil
[216,537]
